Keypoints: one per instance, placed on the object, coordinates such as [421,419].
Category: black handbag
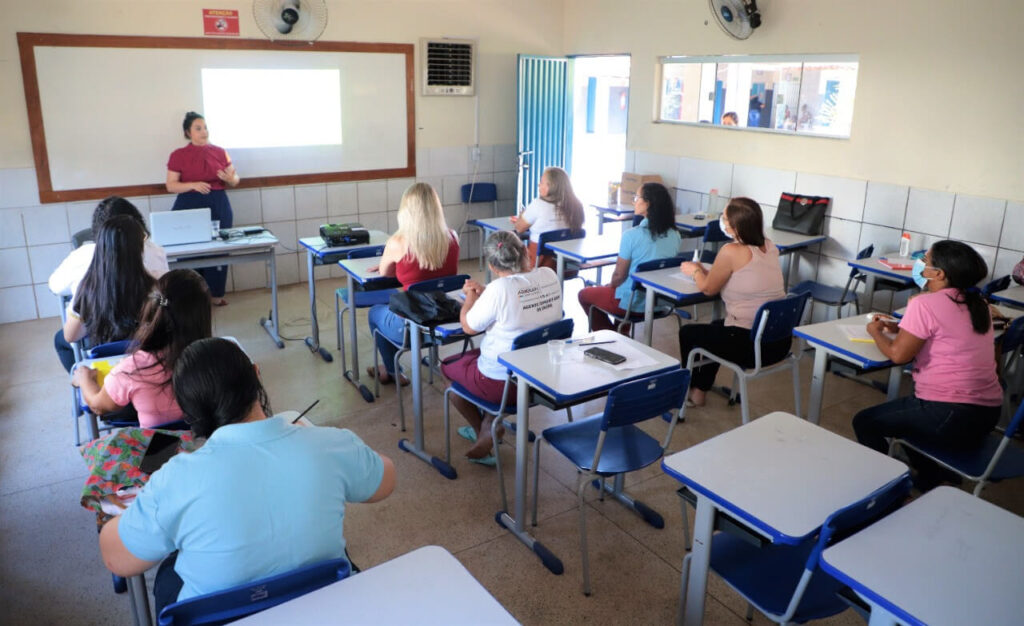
[801,214]
[426,308]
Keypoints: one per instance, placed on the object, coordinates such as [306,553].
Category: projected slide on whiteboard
[113,115]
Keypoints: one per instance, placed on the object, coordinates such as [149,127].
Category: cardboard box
[631,182]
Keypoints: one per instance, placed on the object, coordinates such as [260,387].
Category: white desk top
[872,265]
[786,241]
[690,222]
[621,210]
[1014,295]
[266,239]
[357,268]
[425,586]
[578,375]
[782,475]
[830,336]
[669,281]
[317,246]
[591,248]
[493,223]
[945,558]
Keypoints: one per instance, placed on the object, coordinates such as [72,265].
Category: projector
[335,235]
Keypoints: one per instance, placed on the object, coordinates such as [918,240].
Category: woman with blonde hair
[422,248]
[555,207]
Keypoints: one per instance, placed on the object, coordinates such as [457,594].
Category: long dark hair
[964,269]
[567,206]
[176,314]
[216,384]
[747,221]
[661,211]
[115,205]
[116,284]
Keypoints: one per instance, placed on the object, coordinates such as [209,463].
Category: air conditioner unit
[448,67]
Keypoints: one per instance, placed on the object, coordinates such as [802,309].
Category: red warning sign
[220,22]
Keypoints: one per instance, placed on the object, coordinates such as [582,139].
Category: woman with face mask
[947,332]
[747,273]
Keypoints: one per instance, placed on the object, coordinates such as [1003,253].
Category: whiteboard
[110,114]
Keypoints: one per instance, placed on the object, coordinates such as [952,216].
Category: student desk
[489,225]
[319,253]
[589,249]
[874,270]
[829,339]
[566,383]
[945,558]
[668,282]
[1014,296]
[357,271]
[425,586]
[612,213]
[780,476]
[691,225]
[259,247]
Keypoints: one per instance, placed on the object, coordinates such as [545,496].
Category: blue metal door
[542,111]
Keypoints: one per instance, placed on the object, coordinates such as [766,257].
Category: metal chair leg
[744,399]
[376,365]
[398,389]
[795,365]
[498,421]
[536,474]
[447,426]
[581,486]
[686,526]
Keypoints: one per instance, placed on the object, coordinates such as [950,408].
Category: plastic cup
[215,228]
[556,350]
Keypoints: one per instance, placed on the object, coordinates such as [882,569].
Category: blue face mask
[915,272]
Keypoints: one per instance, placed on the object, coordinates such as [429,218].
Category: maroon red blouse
[199,164]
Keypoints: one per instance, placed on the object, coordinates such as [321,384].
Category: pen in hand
[315,402]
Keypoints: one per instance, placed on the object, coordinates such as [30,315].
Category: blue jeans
[389,325]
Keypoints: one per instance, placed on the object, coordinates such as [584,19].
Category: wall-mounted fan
[738,18]
[292,20]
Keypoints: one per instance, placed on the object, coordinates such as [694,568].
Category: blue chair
[361,299]
[561,329]
[998,284]
[712,235]
[784,582]
[431,342]
[480,192]
[663,307]
[610,444]
[776,320]
[572,269]
[237,602]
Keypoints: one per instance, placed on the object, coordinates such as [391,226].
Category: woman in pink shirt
[947,332]
[176,314]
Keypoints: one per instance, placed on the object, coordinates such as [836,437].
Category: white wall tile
[843,238]
[288,270]
[808,267]
[977,219]
[886,204]
[1013,227]
[689,201]
[308,228]
[342,200]
[17,304]
[922,241]
[630,162]
[485,164]
[18,188]
[506,207]
[373,195]
[165,202]
[702,176]
[847,193]
[286,235]
[14,268]
[664,165]
[246,207]
[504,158]
[832,271]
[80,216]
[44,259]
[311,202]
[989,254]
[506,182]
[12,231]
[245,276]
[392,222]
[885,239]
[451,191]
[374,221]
[397,187]
[422,161]
[45,224]
[763,184]
[448,161]
[47,304]
[1006,259]
[929,211]
[278,203]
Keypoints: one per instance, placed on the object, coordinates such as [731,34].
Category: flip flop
[467,433]
[488,460]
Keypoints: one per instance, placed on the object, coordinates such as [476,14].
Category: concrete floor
[51,572]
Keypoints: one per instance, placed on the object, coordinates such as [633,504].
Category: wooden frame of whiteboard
[27,43]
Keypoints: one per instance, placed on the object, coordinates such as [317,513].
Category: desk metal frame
[356,272]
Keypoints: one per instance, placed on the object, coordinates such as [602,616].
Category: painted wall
[939,95]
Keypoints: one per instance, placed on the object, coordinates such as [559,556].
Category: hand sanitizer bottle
[905,245]
[712,202]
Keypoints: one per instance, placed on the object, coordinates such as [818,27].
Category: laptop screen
[173,228]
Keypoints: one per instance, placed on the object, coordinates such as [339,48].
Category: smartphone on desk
[604,355]
[160,450]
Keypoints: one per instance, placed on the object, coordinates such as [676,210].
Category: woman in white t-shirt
[519,299]
[555,207]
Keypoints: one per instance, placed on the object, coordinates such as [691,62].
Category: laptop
[174,228]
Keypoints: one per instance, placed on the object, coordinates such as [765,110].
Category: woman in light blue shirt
[654,238]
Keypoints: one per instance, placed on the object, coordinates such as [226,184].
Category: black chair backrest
[562,329]
[783,316]
[445,283]
[1013,337]
[557,235]
[713,233]
[660,264]
[645,398]
[365,253]
[81,237]
[863,254]
[998,284]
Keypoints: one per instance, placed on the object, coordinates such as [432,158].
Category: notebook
[174,228]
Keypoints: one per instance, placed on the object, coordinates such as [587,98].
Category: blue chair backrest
[445,283]
[113,348]
[479,192]
[365,253]
[863,254]
[1014,424]
[237,602]
[713,233]
[850,519]
[557,235]
[998,284]
[783,316]
[643,399]
[1013,337]
[562,329]
[660,264]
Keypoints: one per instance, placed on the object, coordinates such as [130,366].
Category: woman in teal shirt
[654,238]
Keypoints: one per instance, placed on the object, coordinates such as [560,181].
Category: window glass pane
[680,94]
[826,98]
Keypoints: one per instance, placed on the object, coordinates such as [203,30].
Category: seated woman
[108,301]
[747,274]
[261,497]
[422,248]
[947,332]
[653,238]
[555,207]
[176,314]
[519,299]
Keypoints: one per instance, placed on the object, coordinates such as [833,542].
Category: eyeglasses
[638,198]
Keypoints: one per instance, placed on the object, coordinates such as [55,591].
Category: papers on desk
[859,333]
[682,276]
[897,263]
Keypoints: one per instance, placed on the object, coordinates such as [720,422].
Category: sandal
[489,461]
[384,377]
[467,433]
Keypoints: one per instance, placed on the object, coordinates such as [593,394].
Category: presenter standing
[199,173]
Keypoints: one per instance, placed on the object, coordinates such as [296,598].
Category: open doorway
[600,106]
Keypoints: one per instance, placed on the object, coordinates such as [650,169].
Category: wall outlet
[475,153]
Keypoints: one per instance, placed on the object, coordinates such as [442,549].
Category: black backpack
[427,308]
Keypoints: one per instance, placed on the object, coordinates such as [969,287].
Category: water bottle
[905,245]
[712,202]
